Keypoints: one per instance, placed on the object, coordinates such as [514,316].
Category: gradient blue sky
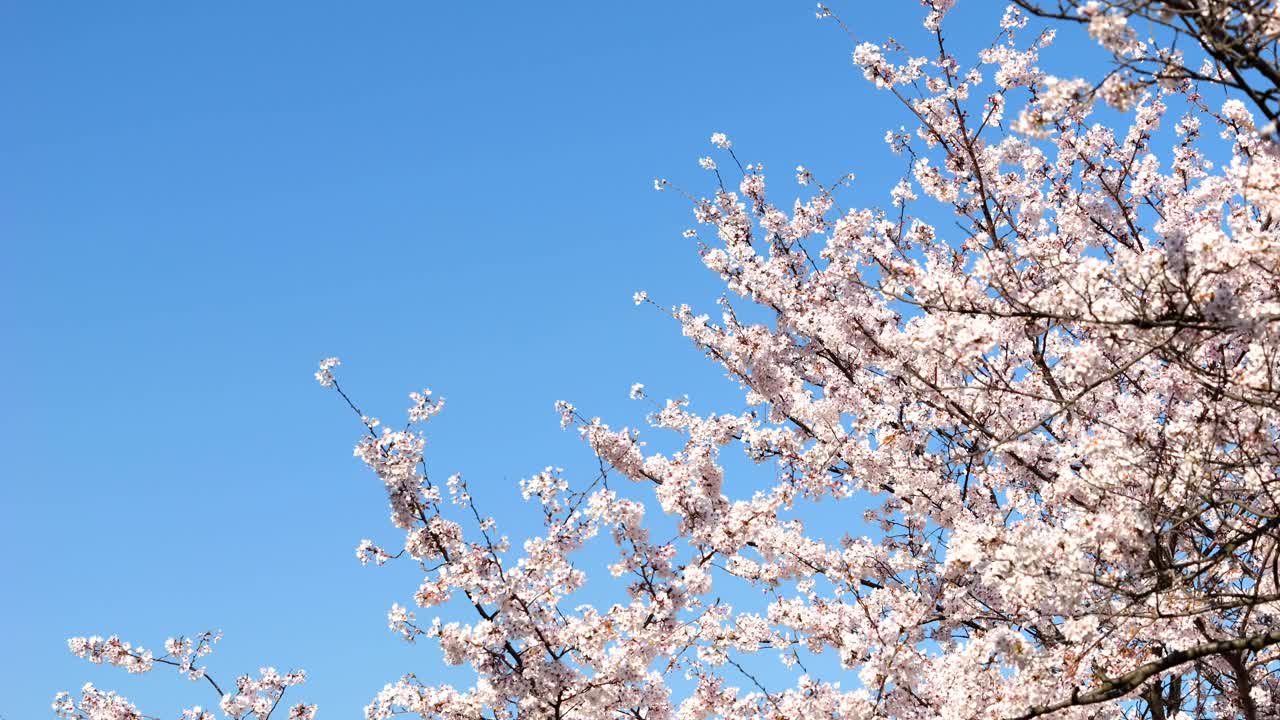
[200,200]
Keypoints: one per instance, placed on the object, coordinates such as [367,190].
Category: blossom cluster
[257,698]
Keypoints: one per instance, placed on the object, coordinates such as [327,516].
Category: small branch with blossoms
[251,698]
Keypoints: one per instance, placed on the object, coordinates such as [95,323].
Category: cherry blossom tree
[1040,388]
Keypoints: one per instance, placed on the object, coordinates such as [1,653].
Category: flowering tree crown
[1056,413]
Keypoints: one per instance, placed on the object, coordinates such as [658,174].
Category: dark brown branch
[1129,682]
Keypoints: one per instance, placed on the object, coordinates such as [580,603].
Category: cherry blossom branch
[1129,682]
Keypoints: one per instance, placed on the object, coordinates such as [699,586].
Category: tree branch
[1125,684]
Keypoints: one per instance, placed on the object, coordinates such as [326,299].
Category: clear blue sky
[200,200]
